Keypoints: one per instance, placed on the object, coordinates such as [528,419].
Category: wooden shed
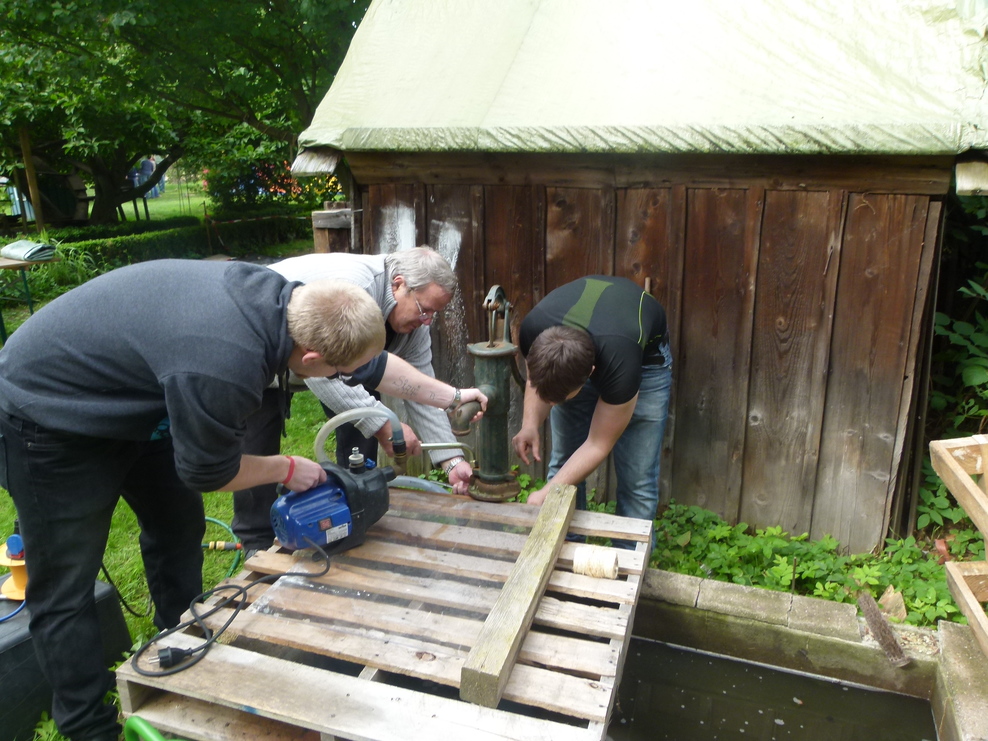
[773,171]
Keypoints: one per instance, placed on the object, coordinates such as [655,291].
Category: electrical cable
[237,560]
[11,615]
[127,607]
[174,659]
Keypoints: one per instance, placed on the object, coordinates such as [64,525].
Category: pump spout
[460,419]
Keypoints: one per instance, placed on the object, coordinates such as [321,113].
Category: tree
[101,83]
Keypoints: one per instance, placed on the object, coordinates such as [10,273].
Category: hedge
[123,229]
[235,239]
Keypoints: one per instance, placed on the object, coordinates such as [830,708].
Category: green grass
[179,199]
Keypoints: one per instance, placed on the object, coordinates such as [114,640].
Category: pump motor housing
[334,515]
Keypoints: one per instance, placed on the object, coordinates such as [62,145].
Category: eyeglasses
[424,316]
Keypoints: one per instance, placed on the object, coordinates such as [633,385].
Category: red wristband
[291,470]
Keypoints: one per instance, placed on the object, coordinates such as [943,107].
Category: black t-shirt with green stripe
[627,326]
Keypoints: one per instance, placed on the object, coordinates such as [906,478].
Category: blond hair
[336,319]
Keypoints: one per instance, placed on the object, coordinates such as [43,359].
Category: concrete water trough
[818,637]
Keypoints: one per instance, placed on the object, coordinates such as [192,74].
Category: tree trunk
[113,189]
[108,195]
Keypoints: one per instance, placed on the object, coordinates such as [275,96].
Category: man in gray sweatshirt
[138,384]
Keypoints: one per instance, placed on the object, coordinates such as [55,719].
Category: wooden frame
[957,462]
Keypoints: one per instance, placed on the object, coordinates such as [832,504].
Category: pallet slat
[583,522]
[946,460]
[555,691]
[322,701]
[544,649]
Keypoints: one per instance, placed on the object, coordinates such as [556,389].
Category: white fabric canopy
[701,76]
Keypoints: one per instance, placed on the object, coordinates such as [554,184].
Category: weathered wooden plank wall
[793,305]
[797,273]
[712,359]
[873,312]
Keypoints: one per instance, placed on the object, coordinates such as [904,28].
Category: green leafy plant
[695,541]
[937,507]
[960,390]
[74,267]
[527,484]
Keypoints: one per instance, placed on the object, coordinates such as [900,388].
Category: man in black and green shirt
[598,357]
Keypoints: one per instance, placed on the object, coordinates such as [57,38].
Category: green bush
[62,235]
[247,169]
[260,182]
[113,252]
[199,240]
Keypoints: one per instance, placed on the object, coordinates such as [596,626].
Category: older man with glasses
[411,287]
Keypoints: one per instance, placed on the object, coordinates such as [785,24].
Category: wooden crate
[373,650]
[958,463]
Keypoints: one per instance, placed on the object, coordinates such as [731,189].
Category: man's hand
[467,395]
[304,474]
[527,440]
[537,497]
[295,472]
[412,444]
[459,477]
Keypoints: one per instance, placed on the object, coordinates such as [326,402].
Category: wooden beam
[886,174]
[489,664]
[962,580]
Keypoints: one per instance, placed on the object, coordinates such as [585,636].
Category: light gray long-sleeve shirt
[370,273]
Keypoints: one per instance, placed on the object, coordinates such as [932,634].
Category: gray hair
[421,266]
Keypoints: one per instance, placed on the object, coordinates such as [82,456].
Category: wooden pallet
[374,649]
[958,463]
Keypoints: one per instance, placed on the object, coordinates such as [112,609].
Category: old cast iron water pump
[494,367]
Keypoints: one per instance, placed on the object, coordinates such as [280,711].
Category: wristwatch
[455,403]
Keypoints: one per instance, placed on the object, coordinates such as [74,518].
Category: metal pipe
[470,455]
[417,484]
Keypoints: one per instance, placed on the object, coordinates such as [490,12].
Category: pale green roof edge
[904,77]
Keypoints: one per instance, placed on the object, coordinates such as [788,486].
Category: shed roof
[704,76]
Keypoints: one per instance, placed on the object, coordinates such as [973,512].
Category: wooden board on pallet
[374,649]
[492,657]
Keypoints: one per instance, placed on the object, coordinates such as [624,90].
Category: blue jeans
[65,488]
[637,453]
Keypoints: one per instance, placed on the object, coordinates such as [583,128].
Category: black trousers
[65,488]
[252,507]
